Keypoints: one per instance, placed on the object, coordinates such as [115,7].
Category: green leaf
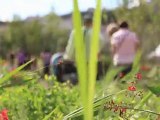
[80,54]
[155,90]
[9,75]
[93,58]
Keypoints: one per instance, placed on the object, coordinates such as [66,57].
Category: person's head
[88,20]
[111,28]
[123,24]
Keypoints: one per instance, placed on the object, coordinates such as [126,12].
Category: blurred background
[35,25]
[36,29]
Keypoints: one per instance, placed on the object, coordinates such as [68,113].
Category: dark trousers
[46,69]
[124,71]
[66,71]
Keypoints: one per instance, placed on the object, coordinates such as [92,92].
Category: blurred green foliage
[34,34]
[34,101]
[40,33]
[47,99]
[29,97]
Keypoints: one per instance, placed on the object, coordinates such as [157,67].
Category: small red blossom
[123,110]
[3,115]
[138,76]
[117,108]
[132,88]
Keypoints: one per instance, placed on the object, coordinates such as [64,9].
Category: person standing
[124,44]
[46,56]
[21,57]
[87,33]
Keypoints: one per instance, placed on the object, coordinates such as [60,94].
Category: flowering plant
[4,115]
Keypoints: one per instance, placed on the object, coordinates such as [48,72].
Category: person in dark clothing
[46,56]
[27,59]
[87,29]
[21,57]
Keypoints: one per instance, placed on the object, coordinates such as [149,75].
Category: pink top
[125,43]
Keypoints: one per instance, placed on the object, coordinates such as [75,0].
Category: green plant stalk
[137,59]
[141,103]
[93,60]
[49,115]
[148,111]
[139,110]
[144,100]
[80,55]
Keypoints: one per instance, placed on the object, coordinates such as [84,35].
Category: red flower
[4,115]
[138,76]
[132,88]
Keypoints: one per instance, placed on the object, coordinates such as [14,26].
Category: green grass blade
[144,100]
[93,59]
[137,59]
[49,115]
[112,72]
[6,78]
[80,53]
[96,104]
[54,113]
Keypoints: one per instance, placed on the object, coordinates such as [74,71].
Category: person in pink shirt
[124,44]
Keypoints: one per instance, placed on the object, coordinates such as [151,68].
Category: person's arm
[114,42]
[113,49]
